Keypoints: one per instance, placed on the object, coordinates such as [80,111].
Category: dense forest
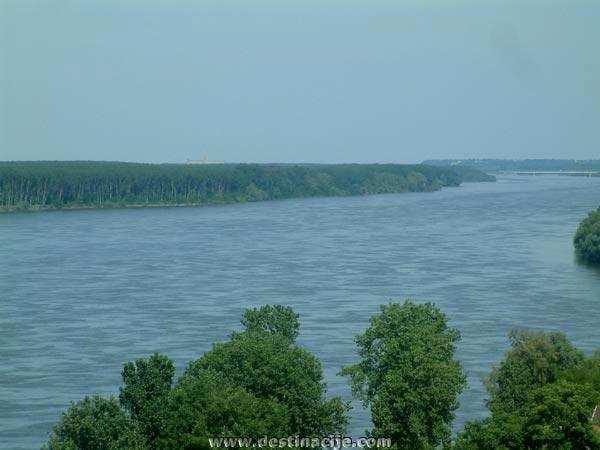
[587,238]
[48,185]
[516,165]
[260,384]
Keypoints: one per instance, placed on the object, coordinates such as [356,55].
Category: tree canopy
[272,319]
[265,361]
[542,396]
[259,383]
[96,423]
[587,238]
[535,358]
[145,393]
[408,375]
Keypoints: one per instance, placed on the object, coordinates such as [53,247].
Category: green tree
[273,319]
[587,238]
[535,359]
[146,386]
[408,375]
[206,405]
[587,372]
[555,416]
[558,417]
[265,361]
[501,431]
[95,423]
[541,397]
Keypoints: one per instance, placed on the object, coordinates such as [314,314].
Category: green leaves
[558,416]
[96,423]
[554,416]
[259,383]
[274,319]
[587,238]
[73,184]
[265,361]
[146,386]
[541,397]
[208,405]
[408,375]
[535,359]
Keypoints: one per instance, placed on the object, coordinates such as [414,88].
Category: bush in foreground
[279,384]
[534,360]
[408,375]
[96,423]
[259,383]
[541,397]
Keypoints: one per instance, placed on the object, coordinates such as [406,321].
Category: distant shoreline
[109,206]
[522,165]
[51,186]
[46,208]
[590,174]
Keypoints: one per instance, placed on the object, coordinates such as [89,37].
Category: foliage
[259,383]
[558,416]
[501,431]
[588,372]
[95,423]
[470,174]
[407,374]
[535,359]
[587,238]
[47,184]
[542,397]
[555,416]
[272,319]
[146,387]
[265,361]
[208,405]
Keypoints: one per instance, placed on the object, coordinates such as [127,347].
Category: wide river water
[82,292]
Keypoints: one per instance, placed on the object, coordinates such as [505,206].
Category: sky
[299,81]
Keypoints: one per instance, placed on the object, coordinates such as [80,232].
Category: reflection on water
[84,291]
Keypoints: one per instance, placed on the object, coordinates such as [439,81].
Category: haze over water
[82,292]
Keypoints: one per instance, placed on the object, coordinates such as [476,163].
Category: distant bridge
[587,173]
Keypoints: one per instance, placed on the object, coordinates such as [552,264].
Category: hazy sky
[301,81]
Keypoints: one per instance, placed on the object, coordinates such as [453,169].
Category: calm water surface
[81,292]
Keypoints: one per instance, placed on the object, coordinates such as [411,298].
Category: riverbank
[52,185]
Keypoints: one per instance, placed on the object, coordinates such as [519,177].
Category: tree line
[262,383]
[56,184]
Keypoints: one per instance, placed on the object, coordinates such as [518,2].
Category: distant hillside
[88,184]
[516,165]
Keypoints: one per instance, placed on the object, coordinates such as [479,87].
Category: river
[82,292]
